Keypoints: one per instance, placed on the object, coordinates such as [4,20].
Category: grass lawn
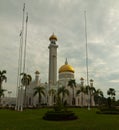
[32,120]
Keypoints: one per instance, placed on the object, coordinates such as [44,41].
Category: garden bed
[60,116]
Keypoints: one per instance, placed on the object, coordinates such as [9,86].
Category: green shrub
[108,110]
[61,115]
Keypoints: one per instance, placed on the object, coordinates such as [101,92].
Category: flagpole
[18,75]
[22,40]
[19,102]
[24,67]
[87,61]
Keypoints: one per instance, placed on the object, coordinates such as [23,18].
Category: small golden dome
[91,80]
[81,78]
[53,37]
[37,72]
[66,68]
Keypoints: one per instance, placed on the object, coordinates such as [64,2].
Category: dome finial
[53,37]
[66,62]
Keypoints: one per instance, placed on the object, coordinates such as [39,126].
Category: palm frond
[4,72]
[78,92]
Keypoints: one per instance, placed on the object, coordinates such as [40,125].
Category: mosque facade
[65,73]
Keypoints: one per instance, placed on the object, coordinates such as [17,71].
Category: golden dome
[37,72]
[53,37]
[66,68]
[91,80]
[81,78]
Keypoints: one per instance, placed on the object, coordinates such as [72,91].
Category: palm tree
[78,92]
[82,90]
[111,92]
[52,92]
[26,79]
[40,91]
[2,77]
[91,92]
[87,89]
[65,92]
[72,84]
[1,94]
[98,94]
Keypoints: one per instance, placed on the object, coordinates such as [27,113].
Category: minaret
[37,77]
[82,81]
[52,60]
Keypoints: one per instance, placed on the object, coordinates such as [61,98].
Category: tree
[60,102]
[98,95]
[1,94]
[91,94]
[26,79]
[92,90]
[111,92]
[82,90]
[72,84]
[65,92]
[87,88]
[2,77]
[40,91]
[52,92]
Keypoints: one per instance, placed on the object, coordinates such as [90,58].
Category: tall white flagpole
[18,75]
[19,102]
[22,40]
[87,61]
[24,66]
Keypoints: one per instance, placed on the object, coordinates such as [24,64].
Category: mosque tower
[52,60]
[37,77]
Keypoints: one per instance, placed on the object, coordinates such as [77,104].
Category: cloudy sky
[66,19]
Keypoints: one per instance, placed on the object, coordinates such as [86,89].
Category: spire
[53,37]
[66,62]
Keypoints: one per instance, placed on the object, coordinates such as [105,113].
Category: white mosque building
[65,73]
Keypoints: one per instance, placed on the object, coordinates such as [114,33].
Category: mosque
[65,73]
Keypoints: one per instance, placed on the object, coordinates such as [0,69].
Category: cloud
[114,81]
